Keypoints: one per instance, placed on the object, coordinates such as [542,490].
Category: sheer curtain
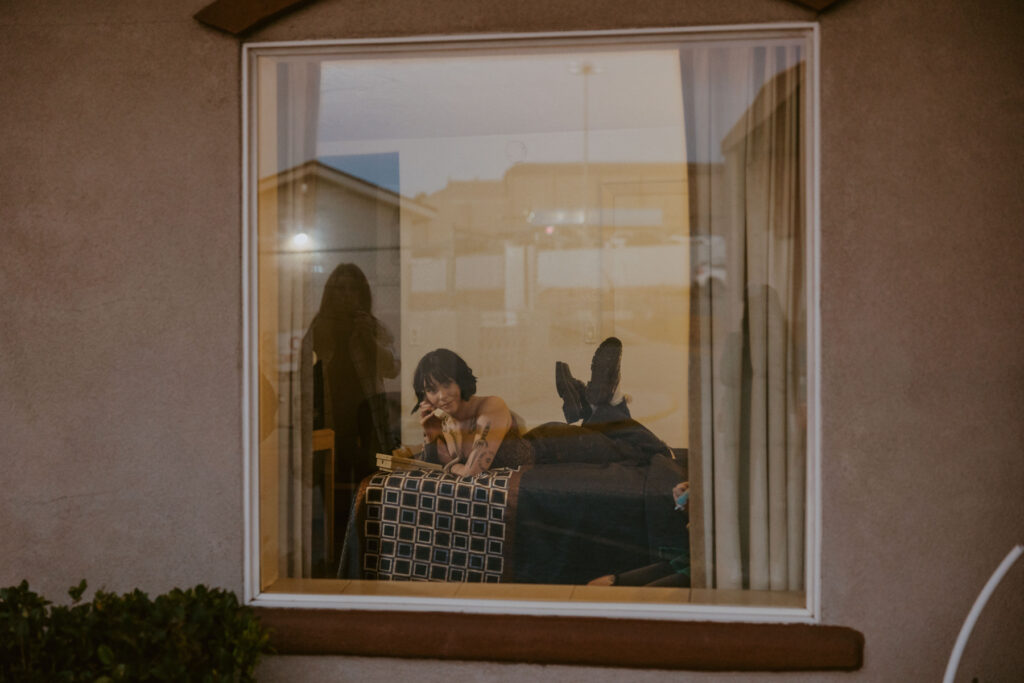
[297,114]
[744,114]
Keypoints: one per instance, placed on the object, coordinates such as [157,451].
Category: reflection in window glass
[607,243]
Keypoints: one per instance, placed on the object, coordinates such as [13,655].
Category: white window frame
[810,613]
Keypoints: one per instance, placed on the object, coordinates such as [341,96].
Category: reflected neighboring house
[317,216]
[516,268]
[550,259]
[312,218]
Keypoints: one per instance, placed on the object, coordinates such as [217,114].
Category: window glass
[533,314]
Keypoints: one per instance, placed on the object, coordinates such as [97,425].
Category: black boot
[574,407]
[604,372]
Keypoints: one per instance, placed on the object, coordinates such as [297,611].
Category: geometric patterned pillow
[434,526]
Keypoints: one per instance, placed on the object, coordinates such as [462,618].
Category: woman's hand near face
[431,424]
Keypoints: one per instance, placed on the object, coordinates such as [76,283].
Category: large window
[531,323]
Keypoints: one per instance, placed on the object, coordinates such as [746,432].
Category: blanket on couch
[562,523]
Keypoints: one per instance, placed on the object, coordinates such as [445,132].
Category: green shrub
[199,634]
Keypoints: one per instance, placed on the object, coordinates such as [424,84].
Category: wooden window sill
[630,643]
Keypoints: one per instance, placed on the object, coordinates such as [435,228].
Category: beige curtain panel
[748,317]
[290,103]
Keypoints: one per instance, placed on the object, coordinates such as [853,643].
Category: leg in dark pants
[634,441]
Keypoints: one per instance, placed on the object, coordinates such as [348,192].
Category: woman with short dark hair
[469,434]
[466,433]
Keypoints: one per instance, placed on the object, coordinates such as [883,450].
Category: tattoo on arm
[480,443]
[480,458]
[482,455]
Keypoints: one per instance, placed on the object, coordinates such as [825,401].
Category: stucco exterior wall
[120,350]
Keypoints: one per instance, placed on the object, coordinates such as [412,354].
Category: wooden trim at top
[630,643]
[241,16]
[819,5]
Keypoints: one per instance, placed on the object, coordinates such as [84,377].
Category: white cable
[979,604]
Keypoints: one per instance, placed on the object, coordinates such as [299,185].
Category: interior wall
[120,355]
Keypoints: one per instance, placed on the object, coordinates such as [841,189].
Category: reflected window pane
[611,240]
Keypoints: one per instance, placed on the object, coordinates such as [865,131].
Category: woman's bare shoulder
[493,401]
[492,406]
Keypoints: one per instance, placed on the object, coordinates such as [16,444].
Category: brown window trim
[631,643]
[238,17]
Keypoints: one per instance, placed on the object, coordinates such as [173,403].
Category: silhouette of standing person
[355,353]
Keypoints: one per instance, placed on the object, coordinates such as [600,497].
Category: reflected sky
[473,118]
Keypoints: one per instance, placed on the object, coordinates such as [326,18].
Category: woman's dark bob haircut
[440,366]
